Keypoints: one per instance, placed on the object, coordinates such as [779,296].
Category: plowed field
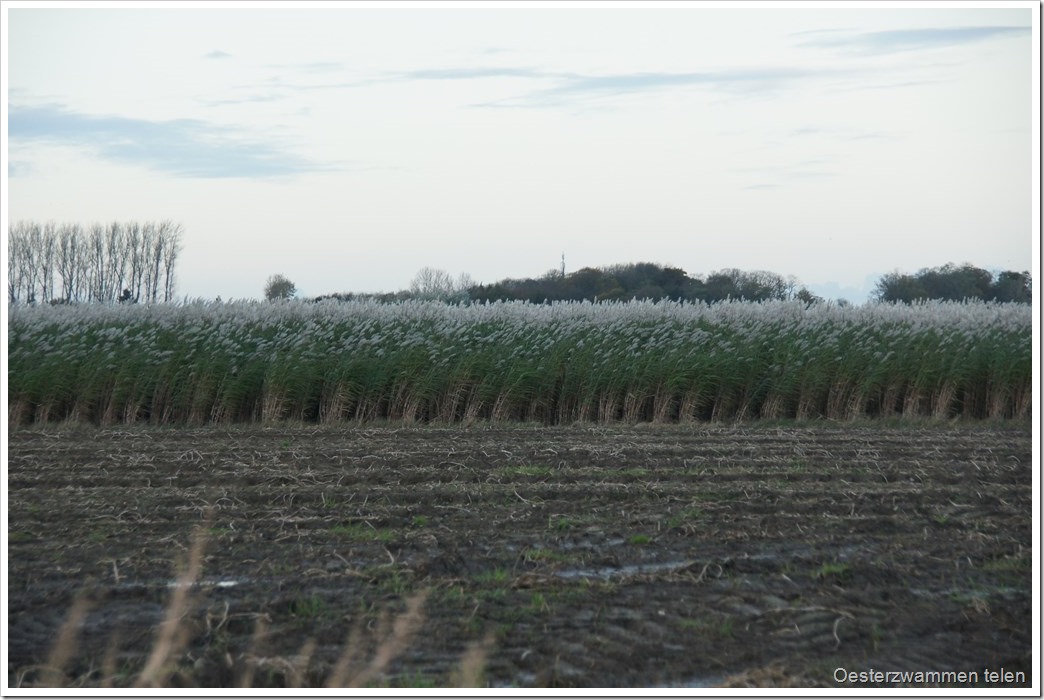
[574,556]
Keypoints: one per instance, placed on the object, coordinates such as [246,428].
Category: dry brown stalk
[403,630]
[173,636]
[299,666]
[472,664]
[53,675]
[340,675]
[260,630]
[108,667]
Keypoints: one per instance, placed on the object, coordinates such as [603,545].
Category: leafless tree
[135,259]
[96,263]
[171,235]
[99,263]
[155,260]
[32,245]
[433,283]
[48,246]
[14,262]
[116,248]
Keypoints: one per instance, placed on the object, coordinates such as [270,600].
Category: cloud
[277,88]
[217,54]
[625,83]
[842,133]
[247,99]
[553,88]
[182,147]
[473,73]
[313,67]
[894,41]
[321,67]
[566,87]
[18,168]
[803,172]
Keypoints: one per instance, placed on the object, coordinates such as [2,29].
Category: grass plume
[558,363]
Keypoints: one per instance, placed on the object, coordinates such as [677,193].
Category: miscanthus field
[200,363]
[516,495]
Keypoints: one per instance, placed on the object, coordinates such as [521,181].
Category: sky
[348,146]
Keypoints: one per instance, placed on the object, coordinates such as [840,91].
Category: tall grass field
[198,363]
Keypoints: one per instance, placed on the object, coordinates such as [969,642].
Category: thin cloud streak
[806,171]
[188,148]
[640,82]
[842,133]
[895,41]
[564,87]
[475,73]
[568,86]
[248,99]
[313,67]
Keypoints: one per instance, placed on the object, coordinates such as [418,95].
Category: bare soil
[594,556]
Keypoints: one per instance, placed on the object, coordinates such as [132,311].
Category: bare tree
[464,282]
[101,263]
[96,263]
[146,244]
[171,247]
[116,248]
[135,260]
[48,248]
[432,283]
[30,261]
[66,263]
[155,262]
[14,262]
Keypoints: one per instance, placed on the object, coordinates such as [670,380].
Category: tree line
[71,263]
[652,281]
[613,283]
[955,283]
[645,281]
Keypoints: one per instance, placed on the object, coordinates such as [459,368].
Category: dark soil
[575,556]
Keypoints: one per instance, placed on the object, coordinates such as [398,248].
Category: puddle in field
[968,594]
[607,572]
[205,583]
[591,544]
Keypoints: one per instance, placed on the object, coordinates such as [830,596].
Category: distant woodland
[652,281]
[137,262]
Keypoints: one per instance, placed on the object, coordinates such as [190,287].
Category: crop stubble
[571,556]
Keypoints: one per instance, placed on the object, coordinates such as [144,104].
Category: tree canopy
[953,283]
[279,287]
[643,281]
[647,280]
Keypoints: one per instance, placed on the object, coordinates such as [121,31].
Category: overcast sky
[347,148]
